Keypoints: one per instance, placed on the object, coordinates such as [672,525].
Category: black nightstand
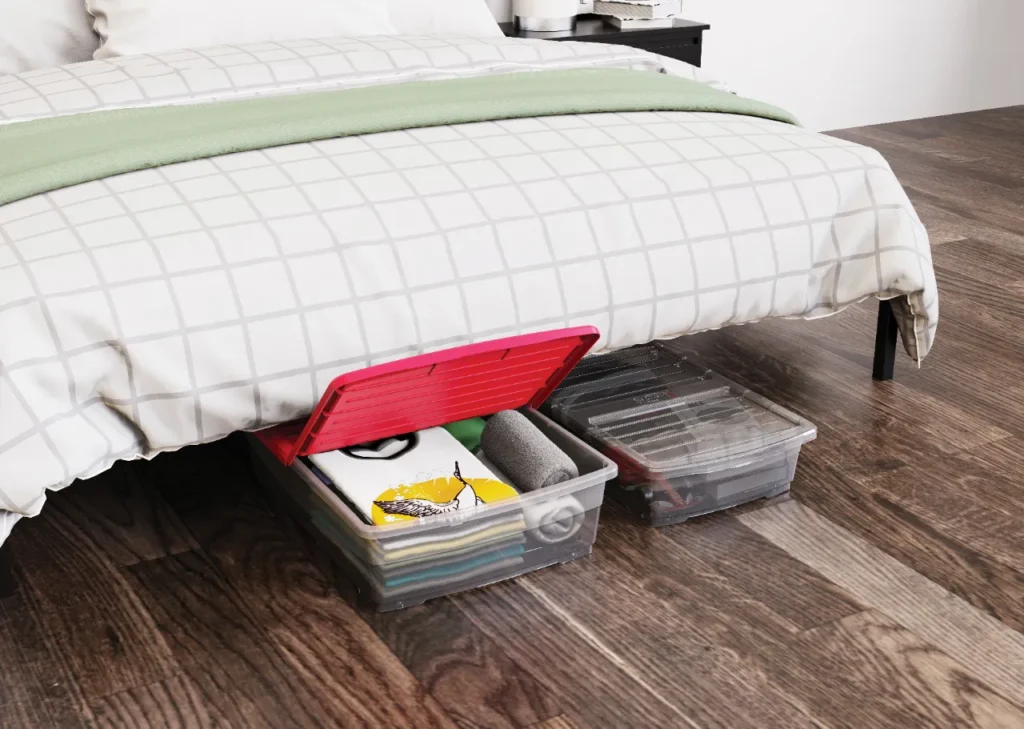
[684,41]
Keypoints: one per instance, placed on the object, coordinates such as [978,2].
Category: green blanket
[47,154]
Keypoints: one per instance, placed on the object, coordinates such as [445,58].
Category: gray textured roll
[521,450]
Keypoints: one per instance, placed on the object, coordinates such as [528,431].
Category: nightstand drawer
[683,48]
[684,41]
[688,50]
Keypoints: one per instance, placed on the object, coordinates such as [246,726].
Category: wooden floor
[888,591]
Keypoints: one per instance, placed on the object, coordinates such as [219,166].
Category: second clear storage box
[687,440]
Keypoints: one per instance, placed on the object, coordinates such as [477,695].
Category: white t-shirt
[411,476]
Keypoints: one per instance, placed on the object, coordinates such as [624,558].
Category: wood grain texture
[677,622]
[212,632]
[269,572]
[984,511]
[882,675]
[463,668]
[175,703]
[878,518]
[591,680]
[887,590]
[89,616]
[992,652]
[36,688]
[723,549]
[558,722]
[124,516]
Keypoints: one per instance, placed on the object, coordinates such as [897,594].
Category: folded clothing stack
[433,475]
[638,14]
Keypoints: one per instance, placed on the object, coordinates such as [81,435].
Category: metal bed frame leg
[6,573]
[885,343]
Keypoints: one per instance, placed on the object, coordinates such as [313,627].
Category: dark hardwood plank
[213,630]
[994,129]
[986,584]
[980,509]
[995,305]
[991,652]
[457,663]
[868,671]
[347,666]
[991,476]
[945,226]
[722,547]
[947,220]
[915,130]
[1004,456]
[996,212]
[124,516]
[982,261]
[942,156]
[558,722]
[36,690]
[89,614]
[987,192]
[974,196]
[462,667]
[593,682]
[662,619]
[975,128]
[175,703]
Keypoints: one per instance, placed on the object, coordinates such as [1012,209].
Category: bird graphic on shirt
[465,499]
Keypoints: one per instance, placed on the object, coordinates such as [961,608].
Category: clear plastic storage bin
[399,565]
[687,440]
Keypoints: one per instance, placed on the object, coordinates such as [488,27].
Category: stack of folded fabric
[433,473]
[638,14]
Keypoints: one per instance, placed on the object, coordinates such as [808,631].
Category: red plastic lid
[433,389]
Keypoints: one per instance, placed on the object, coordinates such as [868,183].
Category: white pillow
[443,17]
[44,33]
[149,26]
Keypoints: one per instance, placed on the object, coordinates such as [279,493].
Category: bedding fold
[48,154]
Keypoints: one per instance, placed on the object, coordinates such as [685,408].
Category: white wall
[845,63]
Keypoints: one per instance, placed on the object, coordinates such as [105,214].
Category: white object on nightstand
[545,15]
[638,9]
[586,7]
[638,14]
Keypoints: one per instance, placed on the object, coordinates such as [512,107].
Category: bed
[149,310]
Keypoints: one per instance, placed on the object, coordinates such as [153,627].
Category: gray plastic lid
[662,410]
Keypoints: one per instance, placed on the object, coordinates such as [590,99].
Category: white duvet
[157,309]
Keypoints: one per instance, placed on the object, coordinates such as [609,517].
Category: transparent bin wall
[687,440]
[401,565]
[675,500]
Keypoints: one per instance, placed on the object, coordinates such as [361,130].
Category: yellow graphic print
[442,495]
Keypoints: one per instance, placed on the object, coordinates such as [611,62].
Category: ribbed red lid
[433,389]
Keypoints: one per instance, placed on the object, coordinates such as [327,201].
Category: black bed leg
[885,343]
[6,573]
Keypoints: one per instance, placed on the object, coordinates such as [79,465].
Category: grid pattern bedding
[156,309]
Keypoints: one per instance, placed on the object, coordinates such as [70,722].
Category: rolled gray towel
[521,450]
